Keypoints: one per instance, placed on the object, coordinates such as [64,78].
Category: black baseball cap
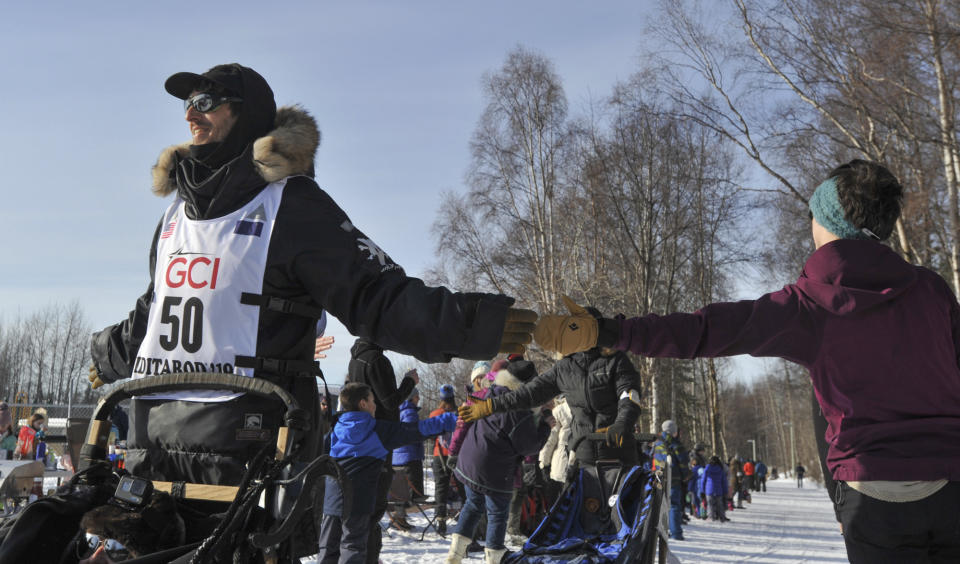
[258,109]
[231,77]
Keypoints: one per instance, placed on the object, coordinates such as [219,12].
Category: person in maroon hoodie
[880,337]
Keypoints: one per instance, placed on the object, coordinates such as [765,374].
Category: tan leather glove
[94,377]
[567,334]
[518,330]
[478,410]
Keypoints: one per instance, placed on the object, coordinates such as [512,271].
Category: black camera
[133,491]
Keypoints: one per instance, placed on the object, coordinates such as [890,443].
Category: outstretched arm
[536,392]
[355,280]
[774,325]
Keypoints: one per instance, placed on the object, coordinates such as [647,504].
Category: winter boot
[399,520]
[493,556]
[442,526]
[458,549]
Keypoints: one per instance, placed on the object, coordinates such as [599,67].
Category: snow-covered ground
[783,525]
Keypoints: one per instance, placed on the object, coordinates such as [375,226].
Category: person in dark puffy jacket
[488,462]
[360,444]
[713,487]
[601,390]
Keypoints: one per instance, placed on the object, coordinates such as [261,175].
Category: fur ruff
[286,151]
[507,380]
[132,530]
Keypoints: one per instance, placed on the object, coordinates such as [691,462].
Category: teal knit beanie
[827,210]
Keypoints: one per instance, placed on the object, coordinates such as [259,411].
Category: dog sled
[270,517]
[606,514]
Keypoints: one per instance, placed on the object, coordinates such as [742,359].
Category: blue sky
[395,88]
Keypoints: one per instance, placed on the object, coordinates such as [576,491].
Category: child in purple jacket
[880,337]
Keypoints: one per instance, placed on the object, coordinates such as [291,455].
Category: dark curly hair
[870,194]
[351,394]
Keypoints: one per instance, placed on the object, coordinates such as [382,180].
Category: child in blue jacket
[713,487]
[360,445]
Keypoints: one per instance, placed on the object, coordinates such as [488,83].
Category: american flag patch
[169,230]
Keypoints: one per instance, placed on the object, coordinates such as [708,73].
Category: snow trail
[785,524]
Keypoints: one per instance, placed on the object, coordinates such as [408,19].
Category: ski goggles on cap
[113,548]
[206,102]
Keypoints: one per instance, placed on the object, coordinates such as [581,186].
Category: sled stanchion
[99,433]
[282,436]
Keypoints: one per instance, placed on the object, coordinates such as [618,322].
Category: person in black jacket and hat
[601,388]
[242,264]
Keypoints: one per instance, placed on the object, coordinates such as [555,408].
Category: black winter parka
[316,258]
[592,384]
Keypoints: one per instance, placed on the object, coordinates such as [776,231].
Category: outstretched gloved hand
[478,410]
[567,334]
[518,330]
[614,433]
[94,377]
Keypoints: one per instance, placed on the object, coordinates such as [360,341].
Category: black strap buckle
[281,305]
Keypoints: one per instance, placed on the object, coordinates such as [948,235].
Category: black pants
[919,531]
[344,542]
[375,535]
[415,473]
[442,486]
[762,483]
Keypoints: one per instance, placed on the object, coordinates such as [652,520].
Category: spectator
[693,488]
[800,471]
[488,461]
[761,476]
[749,469]
[408,459]
[859,318]
[30,436]
[736,483]
[360,444]
[368,365]
[555,460]
[698,454]
[120,420]
[8,435]
[669,447]
[441,461]
[714,489]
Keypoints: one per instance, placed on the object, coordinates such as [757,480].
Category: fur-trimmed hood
[287,150]
[507,380]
